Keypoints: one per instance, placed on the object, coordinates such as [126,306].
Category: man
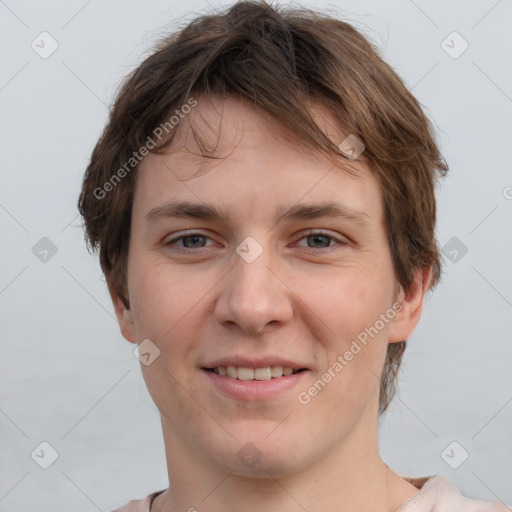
[263,202]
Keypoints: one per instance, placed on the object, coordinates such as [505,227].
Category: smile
[254,384]
[263,373]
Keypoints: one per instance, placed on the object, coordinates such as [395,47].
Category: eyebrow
[187,209]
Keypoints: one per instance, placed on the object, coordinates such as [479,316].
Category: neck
[351,479]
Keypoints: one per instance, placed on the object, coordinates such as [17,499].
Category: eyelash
[306,235]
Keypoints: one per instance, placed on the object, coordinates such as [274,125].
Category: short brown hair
[277,58]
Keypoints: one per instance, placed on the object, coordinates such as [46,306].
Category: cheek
[346,299]
[162,298]
[349,303]
[166,308]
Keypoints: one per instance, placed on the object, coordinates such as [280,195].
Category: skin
[304,298]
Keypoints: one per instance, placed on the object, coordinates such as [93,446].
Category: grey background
[68,377]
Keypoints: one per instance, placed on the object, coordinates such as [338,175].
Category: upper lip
[253,362]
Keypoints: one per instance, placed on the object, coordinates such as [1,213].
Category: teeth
[245,373]
[265,373]
[276,371]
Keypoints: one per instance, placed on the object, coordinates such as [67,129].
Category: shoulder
[437,494]
[139,505]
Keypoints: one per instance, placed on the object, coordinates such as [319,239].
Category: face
[249,267]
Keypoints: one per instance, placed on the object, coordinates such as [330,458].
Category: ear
[124,318]
[408,316]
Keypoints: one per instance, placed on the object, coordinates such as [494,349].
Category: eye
[190,241]
[320,240]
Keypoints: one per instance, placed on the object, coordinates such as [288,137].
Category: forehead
[229,150]
[215,126]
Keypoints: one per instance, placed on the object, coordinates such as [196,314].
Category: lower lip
[254,389]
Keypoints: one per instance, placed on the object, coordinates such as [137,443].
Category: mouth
[260,383]
[258,374]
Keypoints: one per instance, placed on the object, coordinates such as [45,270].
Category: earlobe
[124,318]
[411,303]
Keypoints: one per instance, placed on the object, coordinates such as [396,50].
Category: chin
[260,456]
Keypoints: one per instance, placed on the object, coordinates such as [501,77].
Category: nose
[254,295]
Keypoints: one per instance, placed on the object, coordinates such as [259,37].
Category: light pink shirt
[435,494]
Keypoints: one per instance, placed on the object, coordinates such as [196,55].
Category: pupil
[318,238]
[194,239]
